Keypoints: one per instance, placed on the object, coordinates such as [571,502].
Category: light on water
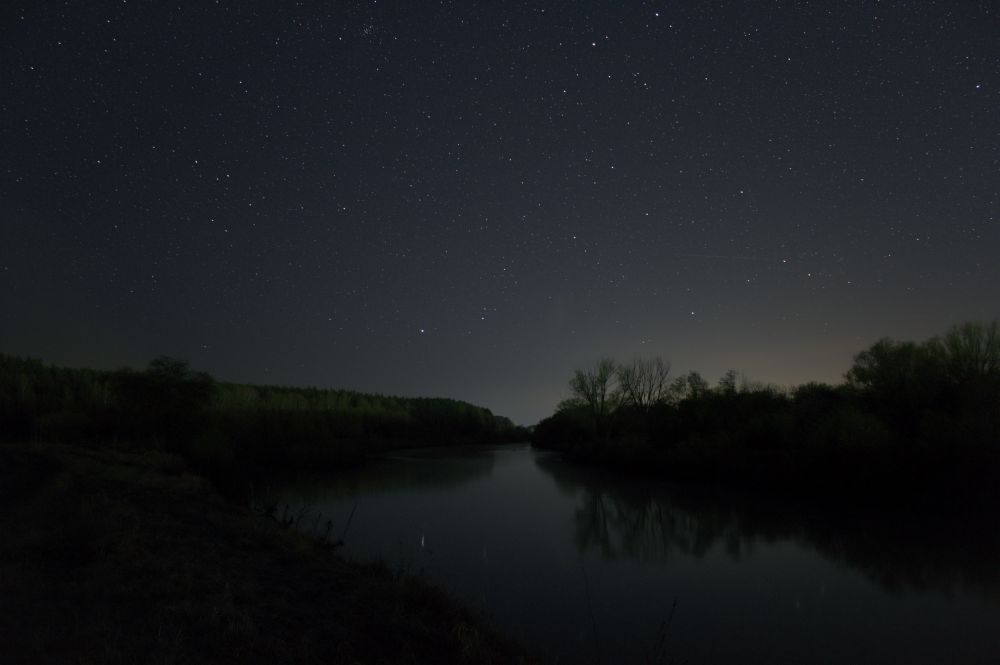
[584,567]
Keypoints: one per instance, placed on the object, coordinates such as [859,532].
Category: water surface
[583,566]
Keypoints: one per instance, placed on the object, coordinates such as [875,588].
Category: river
[583,566]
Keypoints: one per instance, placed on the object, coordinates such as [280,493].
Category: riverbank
[913,424]
[229,431]
[122,556]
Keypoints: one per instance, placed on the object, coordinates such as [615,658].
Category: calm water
[583,567]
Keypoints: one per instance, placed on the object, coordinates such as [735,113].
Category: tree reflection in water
[415,468]
[621,518]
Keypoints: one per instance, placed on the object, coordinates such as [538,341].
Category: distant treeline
[921,415]
[221,425]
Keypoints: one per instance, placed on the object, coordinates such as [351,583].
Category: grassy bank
[124,556]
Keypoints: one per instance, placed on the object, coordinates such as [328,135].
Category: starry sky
[471,199]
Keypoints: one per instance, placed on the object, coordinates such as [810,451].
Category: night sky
[472,199]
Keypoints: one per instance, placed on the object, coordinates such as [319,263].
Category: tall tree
[971,351]
[598,390]
[690,385]
[644,382]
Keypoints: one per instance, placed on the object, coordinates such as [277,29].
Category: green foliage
[219,426]
[58,404]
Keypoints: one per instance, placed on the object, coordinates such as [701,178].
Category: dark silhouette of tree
[889,366]
[910,416]
[970,351]
[644,382]
[898,381]
[728,384]
[690,385]
[166,401]
[597,389]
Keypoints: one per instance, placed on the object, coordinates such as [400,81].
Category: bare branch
[644,382]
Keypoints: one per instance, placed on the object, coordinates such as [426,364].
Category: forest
[911,419]
[219,426]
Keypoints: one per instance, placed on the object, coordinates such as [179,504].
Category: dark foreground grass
[118,556]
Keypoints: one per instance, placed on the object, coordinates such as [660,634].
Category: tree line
[220,424]
[907,412]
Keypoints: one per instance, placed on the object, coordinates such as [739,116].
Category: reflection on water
[575,562]
[423,468]
[920,552]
